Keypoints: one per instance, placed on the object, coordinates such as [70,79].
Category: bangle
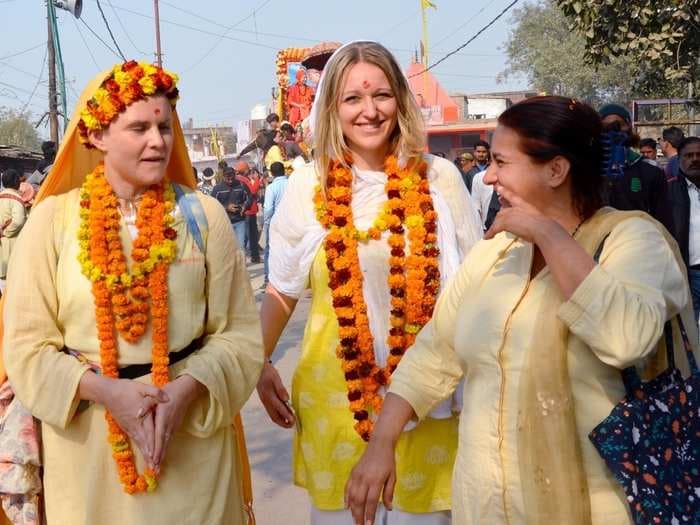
[269,360]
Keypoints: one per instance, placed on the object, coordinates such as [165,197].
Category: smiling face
[367,108]
[517,172]
[138,143]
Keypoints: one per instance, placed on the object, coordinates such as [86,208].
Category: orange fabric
[302,95]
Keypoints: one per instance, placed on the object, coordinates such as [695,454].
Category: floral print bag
[651,441]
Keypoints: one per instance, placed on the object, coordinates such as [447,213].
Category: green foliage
[17,130]
[543,49]
[664,34]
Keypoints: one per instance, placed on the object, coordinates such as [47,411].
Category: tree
[17,130]
[664,34]
[543,49]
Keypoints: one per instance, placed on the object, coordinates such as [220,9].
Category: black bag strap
[630,376]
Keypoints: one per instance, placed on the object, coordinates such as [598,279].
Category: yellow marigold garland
[127,83]
[122,297]
[414,279]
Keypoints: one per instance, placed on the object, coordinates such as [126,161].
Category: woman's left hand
[168,416]
[520,218]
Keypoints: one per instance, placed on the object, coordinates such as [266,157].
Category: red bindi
[365,84]
[157,111]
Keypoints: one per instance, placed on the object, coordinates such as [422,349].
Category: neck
[369,159]
[563,211]
[123,189]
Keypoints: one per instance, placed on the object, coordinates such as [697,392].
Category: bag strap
[630,376]
[193,211]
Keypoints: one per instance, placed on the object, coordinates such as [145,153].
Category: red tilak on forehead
[156,111]
[365,84]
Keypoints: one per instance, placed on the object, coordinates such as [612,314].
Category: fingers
[371,503]
[279,387]
[388,492]
[356,499]
[162,436]
[278,411]
[275,398]
[153,392]
[148,433]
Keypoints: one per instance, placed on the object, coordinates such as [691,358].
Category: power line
[109,29]
[82,37]
[121,24]
[11,86]
[199,30]
[221,37]
[465,23]
[448,55]
[23,52]
[43,66]
[99,38]
[7,64]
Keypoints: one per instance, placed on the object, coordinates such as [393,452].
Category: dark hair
[194,171]
[229,172]
[288,129]
[272,117]
[549,127]
[208,172]
[673,135]
[687,142]
[277,169]
[11,179]
[649,143]
[223,165]
[482,143]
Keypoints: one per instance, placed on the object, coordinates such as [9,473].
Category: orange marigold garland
[122,297]
[414,278]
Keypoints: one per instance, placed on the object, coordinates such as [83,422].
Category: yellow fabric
[326,447]
[209,295]
[13,214]
[615,319]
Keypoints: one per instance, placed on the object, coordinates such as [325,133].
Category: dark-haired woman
[539,330]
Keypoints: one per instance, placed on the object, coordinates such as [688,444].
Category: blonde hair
[407,139]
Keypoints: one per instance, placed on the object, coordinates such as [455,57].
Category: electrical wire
[109,29]
[36,86]
[121,24]
[99,38]
[448,55]
[465,23]
[23,52]
[82,37]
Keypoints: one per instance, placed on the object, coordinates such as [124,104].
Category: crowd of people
[468,319]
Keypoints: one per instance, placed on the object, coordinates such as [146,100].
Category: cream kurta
[12,214]
[50,306]
[482,329]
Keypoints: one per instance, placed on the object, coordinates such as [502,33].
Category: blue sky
[223,77]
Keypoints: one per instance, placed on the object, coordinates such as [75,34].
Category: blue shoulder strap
[193,211]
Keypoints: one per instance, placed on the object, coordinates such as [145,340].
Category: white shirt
[481,196]
[694,226]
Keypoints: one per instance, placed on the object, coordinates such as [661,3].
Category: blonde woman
[375,227]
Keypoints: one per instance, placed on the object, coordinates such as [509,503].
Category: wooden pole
[159,55]
[51,58]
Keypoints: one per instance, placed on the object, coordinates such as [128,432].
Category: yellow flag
[425,4]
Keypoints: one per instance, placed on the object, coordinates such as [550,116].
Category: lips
[153,159]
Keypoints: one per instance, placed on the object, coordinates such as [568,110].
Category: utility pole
[53,97]
[159,55]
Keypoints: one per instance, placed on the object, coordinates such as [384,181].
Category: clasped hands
[149,415]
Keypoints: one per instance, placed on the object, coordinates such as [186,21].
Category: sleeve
[250,147]
[249,199]
[273,155]
[620,308]
[44,378]
[231,358]
[269,204]
[19,215]
[430,371]
[661,206]
[477,196]
[295,234]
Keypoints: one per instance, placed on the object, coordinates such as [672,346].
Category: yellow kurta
[13,214]
[50,306]
[482,330]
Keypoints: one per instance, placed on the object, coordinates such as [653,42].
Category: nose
[369,108]
[491,177]
[155,138]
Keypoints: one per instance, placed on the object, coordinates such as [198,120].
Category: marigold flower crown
[127,83]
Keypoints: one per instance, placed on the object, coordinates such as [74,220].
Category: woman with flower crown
[130,333]
[375,227]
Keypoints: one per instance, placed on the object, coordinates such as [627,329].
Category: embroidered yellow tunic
[482,330]
[49,306]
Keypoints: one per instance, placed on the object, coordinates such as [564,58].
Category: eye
[384,96]
[351,99]
[165,127]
